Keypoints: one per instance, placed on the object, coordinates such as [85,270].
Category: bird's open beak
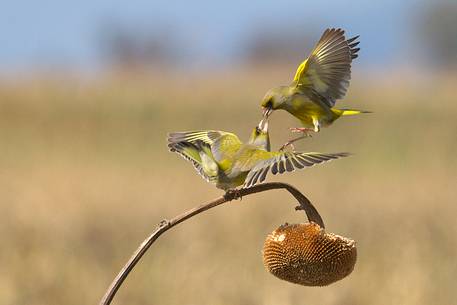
[266,112]
[263,125]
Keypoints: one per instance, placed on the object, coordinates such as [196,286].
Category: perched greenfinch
[320,80]
[222,159]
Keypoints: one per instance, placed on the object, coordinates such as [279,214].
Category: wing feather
[297,163]
[264,172]
[327,71]
[289,165]
[190,152]
[202,148]
[222,144]
[256,177]
[282,162]
[205,136]
[281,167]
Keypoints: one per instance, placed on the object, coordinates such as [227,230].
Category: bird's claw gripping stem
[233,194]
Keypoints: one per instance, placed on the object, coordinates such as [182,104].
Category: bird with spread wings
[320,80]
[222,159]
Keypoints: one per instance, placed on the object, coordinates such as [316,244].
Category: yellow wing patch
[300,69]
[327,70]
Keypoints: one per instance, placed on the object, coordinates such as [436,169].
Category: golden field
[85,175]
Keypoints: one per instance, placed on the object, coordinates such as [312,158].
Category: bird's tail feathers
[345,112]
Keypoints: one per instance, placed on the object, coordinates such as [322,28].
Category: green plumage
[222,159]
[320,80]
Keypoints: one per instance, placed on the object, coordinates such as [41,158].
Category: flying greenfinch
[222,159]
[320,80]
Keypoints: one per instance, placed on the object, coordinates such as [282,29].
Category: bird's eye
[269,104]
[257,130]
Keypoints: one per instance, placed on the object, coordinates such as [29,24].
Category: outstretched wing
[205,136]
[282,162]
[192,153]
[327,71]
[222,144]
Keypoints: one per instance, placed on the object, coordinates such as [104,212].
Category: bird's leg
[305,134]
[290,142]
[305,130]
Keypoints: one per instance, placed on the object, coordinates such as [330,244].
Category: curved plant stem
[165,225]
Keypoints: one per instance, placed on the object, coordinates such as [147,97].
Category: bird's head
[274,99]
[259,136]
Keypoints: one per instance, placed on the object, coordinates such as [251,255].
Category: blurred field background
[85,174]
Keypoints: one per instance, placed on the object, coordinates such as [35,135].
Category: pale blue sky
[58,32]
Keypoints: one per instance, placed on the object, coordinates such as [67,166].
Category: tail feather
[345,112]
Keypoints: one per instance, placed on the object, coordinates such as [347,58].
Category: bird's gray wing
[205,136]
[192,153]
[201,149]
[283,162]
[222,145]
[326,73]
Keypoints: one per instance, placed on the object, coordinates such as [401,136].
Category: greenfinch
[222,159]
[320,80]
